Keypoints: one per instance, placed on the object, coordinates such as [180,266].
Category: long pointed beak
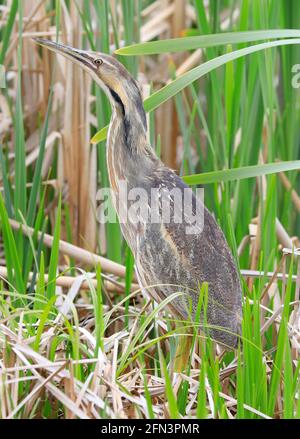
[75,55]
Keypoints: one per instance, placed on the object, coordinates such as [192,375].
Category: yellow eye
[98,61]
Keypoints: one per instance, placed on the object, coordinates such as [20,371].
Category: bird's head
[120,87]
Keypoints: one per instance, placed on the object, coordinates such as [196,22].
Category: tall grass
[81,340]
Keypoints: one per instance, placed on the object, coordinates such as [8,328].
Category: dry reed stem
[67,281]
[73,251]
[288,186]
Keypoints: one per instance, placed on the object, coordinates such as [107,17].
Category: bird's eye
[98,61]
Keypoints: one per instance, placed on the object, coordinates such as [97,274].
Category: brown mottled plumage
[165,255]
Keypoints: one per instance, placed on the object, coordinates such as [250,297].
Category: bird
[168,260]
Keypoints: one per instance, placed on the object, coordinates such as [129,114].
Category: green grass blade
[288,382]
[42,323]
[8,29]
[148,397]
[142,328]
[281,344]
[201,396]
[241,172]
[11,253]
[172,404]
[6,184]
[20,168]
[33,198]
[54,254]
[204,41]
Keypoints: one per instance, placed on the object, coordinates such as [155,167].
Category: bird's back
[168,256]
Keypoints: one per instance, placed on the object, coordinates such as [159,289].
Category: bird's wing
[171,256]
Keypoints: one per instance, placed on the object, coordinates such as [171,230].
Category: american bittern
[167,258]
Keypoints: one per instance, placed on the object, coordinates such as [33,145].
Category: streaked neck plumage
[127,135]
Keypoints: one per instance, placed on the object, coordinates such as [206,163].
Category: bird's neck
[129,113]
[126,142]
[132,129]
